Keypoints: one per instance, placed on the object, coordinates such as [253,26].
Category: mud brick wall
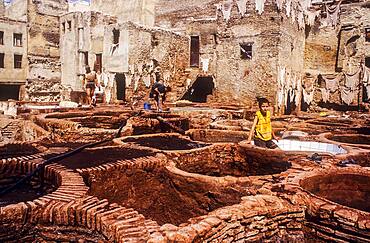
[216,153]
[326,219]
[256,218]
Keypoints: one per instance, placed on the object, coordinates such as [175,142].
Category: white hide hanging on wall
[242,6]
[260,6]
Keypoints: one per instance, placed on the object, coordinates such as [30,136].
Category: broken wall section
[44,76]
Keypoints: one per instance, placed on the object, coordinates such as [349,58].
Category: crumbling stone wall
[43,49]
[141,12]
[84,39]
[332,51]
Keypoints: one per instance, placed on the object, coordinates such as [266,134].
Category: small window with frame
[17,61]
[64,27]
[17,39]
[246,50]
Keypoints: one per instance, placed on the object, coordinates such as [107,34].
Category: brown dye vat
[362,130]
[351,190]
[26,192]
[217,136]
[95,157]
[352,139]
[331,123]
[105,122]
[163,196]
[148,124]
[16,150]
[249,167]
[47,233]
[164,142]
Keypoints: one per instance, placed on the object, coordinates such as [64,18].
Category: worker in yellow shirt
[261,128]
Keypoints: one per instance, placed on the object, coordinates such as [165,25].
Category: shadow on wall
[200,89]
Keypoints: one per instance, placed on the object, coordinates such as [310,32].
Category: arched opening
[201,88]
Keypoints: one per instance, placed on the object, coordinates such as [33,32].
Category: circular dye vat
[16,150]
[95,157]
[49,233]
[217,136]
[164,142]
[351,139]
[25,192]
[105,122]
[162,195]
[351,190]
[309,146]
[233,125]
[149,124]
[236,168]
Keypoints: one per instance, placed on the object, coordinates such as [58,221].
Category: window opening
[194,51]
[246,50]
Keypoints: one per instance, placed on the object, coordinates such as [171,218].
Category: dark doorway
[98,62]
[201,88]
[8,91]
[121,86]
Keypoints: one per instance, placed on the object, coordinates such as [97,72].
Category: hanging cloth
[352,80]
[366,82]
[332,14]
[146,80]
[293,12]
[128,78]
[242,6]
[366,77]
[291,95]
[288,5]
[311,16]
[332,84]
[225,8]
[279,4]
[300,19]
[260,5]
[205,64]
[306,4]
[308,97]
[325,94]
[347,95]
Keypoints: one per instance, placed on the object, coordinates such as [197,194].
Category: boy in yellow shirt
[261,128]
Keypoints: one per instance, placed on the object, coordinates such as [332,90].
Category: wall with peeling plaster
[17,10]
[43,81]
[141,12]
[86,34]
[330,52]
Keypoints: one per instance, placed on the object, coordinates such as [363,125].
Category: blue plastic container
[147,106]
